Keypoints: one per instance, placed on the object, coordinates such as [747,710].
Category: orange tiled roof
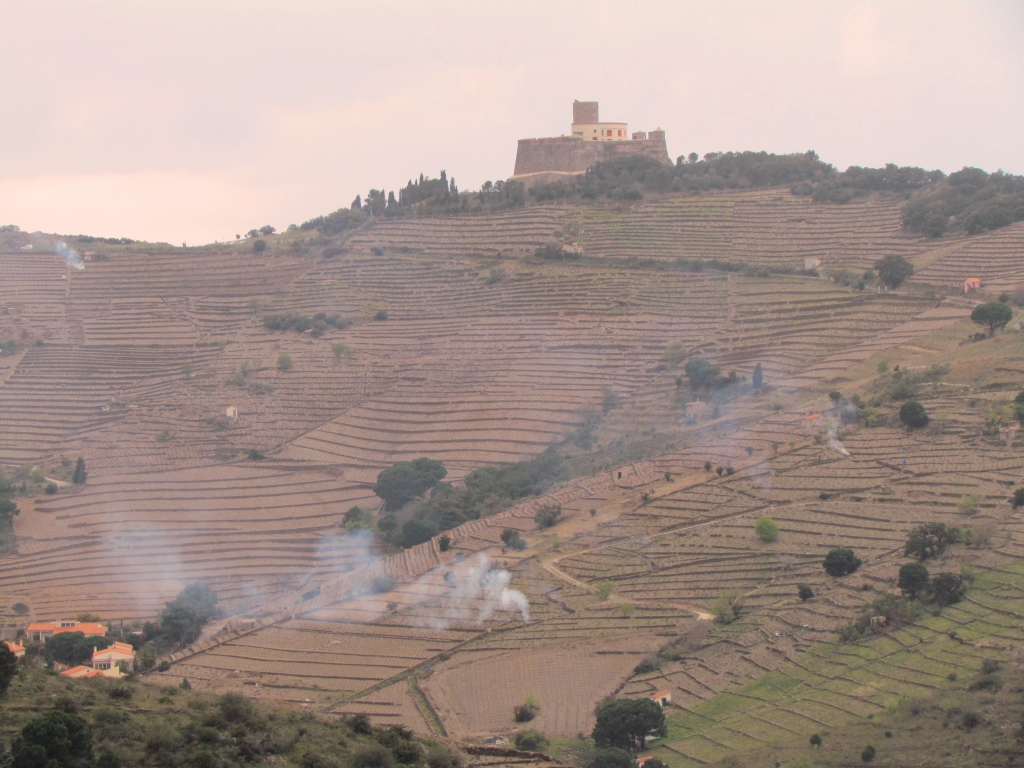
[82,671]
[659,694]
[14,647]
[115,648]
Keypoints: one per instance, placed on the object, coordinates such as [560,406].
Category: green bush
[548,515]
[841,561]
[628,723]
[766,528]
[893,270]
[284,362]
[913,414]
[259,246]
[406,480]
[913,580]
[530,740]
[52,739]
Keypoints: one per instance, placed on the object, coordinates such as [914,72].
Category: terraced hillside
[222,450]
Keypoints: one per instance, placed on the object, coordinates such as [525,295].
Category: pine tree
[758,377]
[80,474]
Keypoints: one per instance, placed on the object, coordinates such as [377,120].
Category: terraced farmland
[223,451]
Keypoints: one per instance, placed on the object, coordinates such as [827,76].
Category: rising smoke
[71,257]
[479,591]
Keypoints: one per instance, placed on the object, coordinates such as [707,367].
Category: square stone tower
[584,112]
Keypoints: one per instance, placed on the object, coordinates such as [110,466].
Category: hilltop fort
[591,142]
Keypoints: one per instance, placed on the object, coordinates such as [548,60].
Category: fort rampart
[571,155]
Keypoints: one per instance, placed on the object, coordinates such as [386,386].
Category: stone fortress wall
[591,142]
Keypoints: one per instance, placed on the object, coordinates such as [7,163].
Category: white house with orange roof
[17,650]
[662,698]
[42,631]
[111,660]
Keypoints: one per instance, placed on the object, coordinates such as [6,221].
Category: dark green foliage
[868,754]
[184,617]
[8,347]
[647,664]
[413,532]
[547,515]
[489,490]
[372,756]
[80,475]
[992,314]
[896,610]
[380,314]
[804,592]
[337,222]
[317,325]
[701,372]
[444,542]
[629,178]
[254,455]
[530,740]
[929,540]
[758,377]
[612,757]
[913,414]
[8,509]
[627,723]
[402,744]
[815,740]
[979,202]
[53,739]
[406,480]
[259,246]
[893,270]
[856,182]
[914,579]
[354,515]
[8,667]
[512,539]
[51,489]
[73,648]
[360,724]
[841,561]
[1017,500]
[524,713]
[948,588]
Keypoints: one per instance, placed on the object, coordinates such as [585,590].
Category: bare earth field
[486,357]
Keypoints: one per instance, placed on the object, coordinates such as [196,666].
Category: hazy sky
[192,121]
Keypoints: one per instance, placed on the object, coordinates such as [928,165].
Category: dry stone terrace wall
[32,293]
[128,543]
[996,257]
[58,391]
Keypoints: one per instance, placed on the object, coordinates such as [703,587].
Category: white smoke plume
[478,593]
[833,441]
[71,257]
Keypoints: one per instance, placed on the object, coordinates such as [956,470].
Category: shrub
[530,740]
[372,756]
[444,542]
[1017,500]
[913,580]
[726,607]
[524,713]
[647,664]
[164,666]
[969,503]
[284,362]
[893,270]
[255,455]
[868,754]
[612,758]
[913,414]
[804,592]
[929,540]
[674,353]
[53,738]
[360,724]
[380,314]
[766,528]
[948,588]
[626,609]
[815,740]
[841,561]
[51,489]
[259,246]
[548,515]
[604,588]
